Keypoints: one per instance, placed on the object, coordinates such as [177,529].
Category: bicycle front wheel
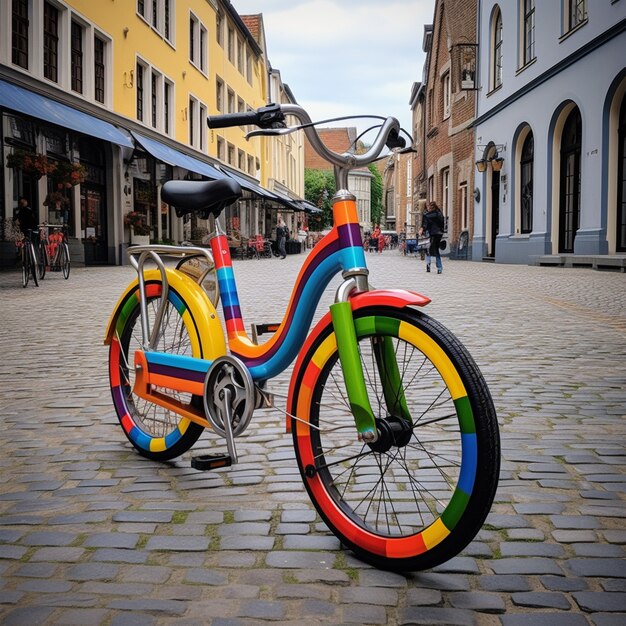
[156,432]
[25,266]
[64,260]
[32,264]
[417,496]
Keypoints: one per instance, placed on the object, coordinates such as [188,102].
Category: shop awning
[249,185]
[171,156]
[35,105]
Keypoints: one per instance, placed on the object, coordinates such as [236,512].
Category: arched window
[526,183]
[496,52]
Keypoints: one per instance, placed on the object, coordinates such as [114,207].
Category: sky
[346,57]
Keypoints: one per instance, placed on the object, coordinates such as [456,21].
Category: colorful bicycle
[393,426]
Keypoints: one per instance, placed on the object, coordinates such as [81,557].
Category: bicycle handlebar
[272,119]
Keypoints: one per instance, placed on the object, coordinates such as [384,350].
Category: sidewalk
[92,533]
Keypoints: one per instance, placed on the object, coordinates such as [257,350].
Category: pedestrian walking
[26,216]
[433,223]
[281,237]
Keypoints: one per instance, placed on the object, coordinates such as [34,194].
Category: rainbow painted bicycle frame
[341,250]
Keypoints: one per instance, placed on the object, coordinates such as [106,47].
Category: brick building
[444,107]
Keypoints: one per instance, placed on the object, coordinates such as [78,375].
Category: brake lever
[271,131]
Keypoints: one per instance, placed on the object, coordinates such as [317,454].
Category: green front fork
[349,357]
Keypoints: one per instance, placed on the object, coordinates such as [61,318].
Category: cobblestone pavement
[91,533]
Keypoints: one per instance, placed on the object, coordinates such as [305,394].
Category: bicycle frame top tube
[339,250]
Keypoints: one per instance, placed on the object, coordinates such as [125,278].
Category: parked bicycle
[28,257]
[394,430]
[58,251]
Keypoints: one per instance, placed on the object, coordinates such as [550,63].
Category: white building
[551,130]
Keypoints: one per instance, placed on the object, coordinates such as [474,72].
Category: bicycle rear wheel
[417,496]
[64,260]
[157,433]
[42,261]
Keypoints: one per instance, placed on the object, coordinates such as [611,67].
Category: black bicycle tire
[34,270]
[42,261]
[65,260]
[25,267]
[488,456]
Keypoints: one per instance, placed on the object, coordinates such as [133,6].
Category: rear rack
[138,256]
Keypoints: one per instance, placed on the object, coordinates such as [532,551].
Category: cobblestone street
[93,534]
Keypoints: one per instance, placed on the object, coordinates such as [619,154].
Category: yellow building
[123,88]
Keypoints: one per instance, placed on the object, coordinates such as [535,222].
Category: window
[231,101]
[141,8]
[241,160]
[193,28]
[154,108]
[167,106]
[99,49]
[240,55]
[496,69]
[249,59]
[77,57]
[251,169]
[191,115]
[167,19]
[197,43]
[19,34]
[231,45]
[526,183]
[155,14]
[529,31]
[219,95]
[202,127]
[464,214]
[220,149]
[445,192]
[219,29]
[576,13]
[50,42]
[241,107]
[139,81]
[446,94]
[231,154]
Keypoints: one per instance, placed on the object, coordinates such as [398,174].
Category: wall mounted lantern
[496,164]
[491,155]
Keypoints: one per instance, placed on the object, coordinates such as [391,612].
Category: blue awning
[249,185]
[43,108]
[174,157]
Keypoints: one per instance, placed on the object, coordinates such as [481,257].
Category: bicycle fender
[208,325]
[395,298]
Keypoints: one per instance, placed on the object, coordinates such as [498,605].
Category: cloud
[346,56]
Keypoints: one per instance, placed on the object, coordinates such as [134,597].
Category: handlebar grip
[394,140]
[232,119]
[270,116]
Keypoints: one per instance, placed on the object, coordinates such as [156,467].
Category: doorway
[569,196]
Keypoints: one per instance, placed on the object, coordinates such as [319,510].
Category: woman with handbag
[433,222]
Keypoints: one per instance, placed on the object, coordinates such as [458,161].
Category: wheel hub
[392,432]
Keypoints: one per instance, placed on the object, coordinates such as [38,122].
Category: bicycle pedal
[206,462]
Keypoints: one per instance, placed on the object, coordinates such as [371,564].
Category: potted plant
[139,228]
[70,174]
[31,163]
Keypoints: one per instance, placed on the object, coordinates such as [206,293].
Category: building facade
[551,130]
[101,104]
[443,109]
